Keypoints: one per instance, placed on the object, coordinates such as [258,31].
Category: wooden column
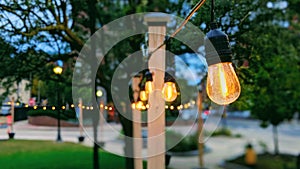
[80,117]
[12,111]
[156,112]
[200,128]
[101,121]
[137,128]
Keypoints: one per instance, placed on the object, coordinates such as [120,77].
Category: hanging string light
[169,90]
[135,105]
[223,86]
[143,94]
[139,104]
[149,82]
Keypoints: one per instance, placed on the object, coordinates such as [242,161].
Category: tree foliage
[264,35]
[271,51]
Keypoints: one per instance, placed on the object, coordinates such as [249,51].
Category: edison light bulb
[143,95]
[149,82]
[223,86]
[149,86]
[169,91]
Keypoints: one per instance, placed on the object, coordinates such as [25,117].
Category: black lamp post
[58,70]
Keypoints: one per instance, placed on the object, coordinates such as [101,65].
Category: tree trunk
[127,128]
[275,137]
[95,147]
[224,119]
[200,128]
[92,23]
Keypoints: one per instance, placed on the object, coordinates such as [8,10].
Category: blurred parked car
[6,106]
[5,109]
[239,114]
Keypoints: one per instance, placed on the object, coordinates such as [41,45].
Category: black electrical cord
[183,23]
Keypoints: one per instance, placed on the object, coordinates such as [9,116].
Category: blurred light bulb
[149,86]
[223,86]
[143,95]
[57,70]
[169,91]
[139,105]
[149,82]
[99,93]
[133,105]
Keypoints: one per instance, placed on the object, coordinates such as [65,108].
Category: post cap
[157,18]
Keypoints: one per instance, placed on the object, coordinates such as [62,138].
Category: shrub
[263,145]
[188,143]
[222,132]
[64,115]
[270,161]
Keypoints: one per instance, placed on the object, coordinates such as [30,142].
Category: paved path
[221,147]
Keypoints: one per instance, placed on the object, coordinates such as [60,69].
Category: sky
[190,66]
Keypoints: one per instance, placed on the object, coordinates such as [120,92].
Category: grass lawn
[269,161]
[28,154]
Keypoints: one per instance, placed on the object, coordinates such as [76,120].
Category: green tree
[269,80]
[64,26]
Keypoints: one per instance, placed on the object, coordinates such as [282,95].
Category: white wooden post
[156,112]
[137,128]
[12,111]
[101,121]
[200,128]
[80,117]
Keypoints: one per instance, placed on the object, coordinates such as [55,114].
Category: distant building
[20,91]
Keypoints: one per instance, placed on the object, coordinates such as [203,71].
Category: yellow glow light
[169,91]
[149,86]
[99,93]
[139,105]
[133,105]
[57,70]
[223,86]
[143,95]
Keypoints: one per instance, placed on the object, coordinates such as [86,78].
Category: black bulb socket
[217,47]
[148,76]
